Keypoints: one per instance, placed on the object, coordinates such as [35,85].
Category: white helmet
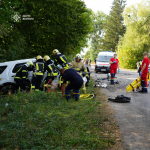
[29,63]
[55,51]
[78,56]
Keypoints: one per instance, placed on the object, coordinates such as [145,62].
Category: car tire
[96,71]
[8,89]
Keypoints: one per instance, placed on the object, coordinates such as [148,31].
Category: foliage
[87,54]
[63,25]
[44,121]
[114,27]
[136,39]
[99,20]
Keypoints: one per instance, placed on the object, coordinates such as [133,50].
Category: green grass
[44,121]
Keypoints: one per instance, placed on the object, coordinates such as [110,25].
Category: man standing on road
[114,64]
[143,73]
[76,82]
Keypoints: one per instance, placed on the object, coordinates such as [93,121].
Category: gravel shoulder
[133,118]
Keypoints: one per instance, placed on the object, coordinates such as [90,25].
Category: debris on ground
[120,99]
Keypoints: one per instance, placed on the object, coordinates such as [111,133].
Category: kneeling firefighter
[78,65]
[52,72]
[21,75]
[75,84]
[38,73]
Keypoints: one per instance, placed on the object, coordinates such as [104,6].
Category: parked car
[7,73]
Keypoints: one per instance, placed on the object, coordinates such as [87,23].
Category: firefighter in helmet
[78,65]
[38,73]
[21,75]
[60,59]
[52,73]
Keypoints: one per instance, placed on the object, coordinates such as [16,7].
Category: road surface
[133,118]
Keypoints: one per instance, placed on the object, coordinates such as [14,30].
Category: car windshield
[104,58]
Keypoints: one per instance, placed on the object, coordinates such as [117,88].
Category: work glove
[118,70]
[140,73]
[114,62]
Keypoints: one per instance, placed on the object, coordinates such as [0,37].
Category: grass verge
[44,121]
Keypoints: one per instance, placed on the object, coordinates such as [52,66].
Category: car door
[15,67]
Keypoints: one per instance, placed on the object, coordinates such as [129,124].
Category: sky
[105,6]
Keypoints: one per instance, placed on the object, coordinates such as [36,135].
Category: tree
[61,24]
[99,20]
[114,27]
[136,39]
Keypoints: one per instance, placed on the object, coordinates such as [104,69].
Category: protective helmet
[38,57]
[29,63]
[46,58]
[78,56]
[55,51]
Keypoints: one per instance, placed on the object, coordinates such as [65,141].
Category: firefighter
[38,73]
[114,64]
[78,65]
[75,84]
[52,72]
[143,73]
[60,59]
[21,75]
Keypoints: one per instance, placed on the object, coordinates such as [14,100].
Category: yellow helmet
[38,57]
[55,51]
[46,58]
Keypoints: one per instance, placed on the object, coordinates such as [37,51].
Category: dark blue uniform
[38,73]
[61,59]
[76,82]
[21,77]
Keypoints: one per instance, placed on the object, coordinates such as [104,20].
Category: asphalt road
[133,118]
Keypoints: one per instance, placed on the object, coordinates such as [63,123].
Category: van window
[2,68]
[17,66]
[104,58]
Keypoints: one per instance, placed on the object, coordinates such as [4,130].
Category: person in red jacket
[114,64]
[143,73]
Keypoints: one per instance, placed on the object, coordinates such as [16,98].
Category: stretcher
[135,85]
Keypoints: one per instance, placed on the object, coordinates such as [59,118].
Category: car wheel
[8,89]
[96,71]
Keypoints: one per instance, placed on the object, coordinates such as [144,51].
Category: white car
[7,73]
[102,62]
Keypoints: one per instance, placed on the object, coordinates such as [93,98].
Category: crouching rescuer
[21,75]
[78,65]
[75,84]
[114,64]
